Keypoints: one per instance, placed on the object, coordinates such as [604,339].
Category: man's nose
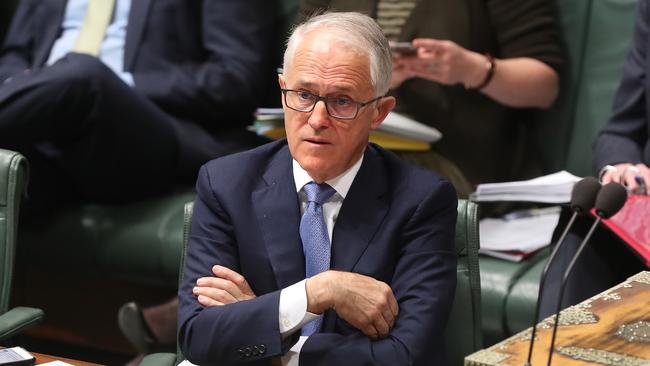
[319,117]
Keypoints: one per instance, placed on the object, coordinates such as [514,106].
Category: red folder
[632,224]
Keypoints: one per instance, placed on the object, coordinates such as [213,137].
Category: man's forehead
[321,57]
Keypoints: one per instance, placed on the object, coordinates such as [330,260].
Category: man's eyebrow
[311,85]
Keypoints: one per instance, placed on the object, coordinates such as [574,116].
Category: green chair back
[464,334]
[609,36]
[597,36]
[13,171]
[13,177]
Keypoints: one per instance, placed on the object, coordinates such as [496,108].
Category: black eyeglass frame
[325,99]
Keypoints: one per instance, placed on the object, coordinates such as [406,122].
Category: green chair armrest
[159,359]
[17,319]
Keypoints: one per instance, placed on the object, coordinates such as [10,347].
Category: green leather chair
[13,176]
[464,334]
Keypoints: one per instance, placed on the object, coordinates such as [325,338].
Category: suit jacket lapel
[276,206]
[137,20]
[50,16]
[362,212]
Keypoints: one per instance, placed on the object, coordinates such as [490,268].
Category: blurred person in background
[478,69]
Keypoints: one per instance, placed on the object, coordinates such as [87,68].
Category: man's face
[324,146]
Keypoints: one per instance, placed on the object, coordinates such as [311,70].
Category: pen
[642,186]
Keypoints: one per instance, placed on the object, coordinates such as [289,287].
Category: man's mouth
[317,141]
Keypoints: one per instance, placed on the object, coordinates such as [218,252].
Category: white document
[404,126]
[525,231]
[56,363]
[552,188]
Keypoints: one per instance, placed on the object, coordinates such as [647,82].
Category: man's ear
[281,81]
[384,106]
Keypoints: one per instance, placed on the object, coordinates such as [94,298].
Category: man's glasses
[337,107]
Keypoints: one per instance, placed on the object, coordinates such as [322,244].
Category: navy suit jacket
[201,60]
[626,136]
[396,224]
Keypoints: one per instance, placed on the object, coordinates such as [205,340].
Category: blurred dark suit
[199,69]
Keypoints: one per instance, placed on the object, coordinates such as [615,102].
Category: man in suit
[169,85]
[622,149]
[367,274]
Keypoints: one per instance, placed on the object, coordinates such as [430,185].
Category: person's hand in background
[633,176]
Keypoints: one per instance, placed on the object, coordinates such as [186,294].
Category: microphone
[609,201]
[583,198]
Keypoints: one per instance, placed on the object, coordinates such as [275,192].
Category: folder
[632,225]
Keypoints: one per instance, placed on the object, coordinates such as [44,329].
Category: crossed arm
[366,303]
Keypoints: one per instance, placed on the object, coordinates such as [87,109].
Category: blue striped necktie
[315,239]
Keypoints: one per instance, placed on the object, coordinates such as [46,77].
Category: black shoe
[135,328]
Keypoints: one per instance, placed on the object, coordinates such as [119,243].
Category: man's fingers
[222,284]
[394,307]
[388,317]
[215,294]
[206,301]
[370,331]
[382,326]
[234,277]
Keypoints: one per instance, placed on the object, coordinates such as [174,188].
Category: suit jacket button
[247,351]
[262,349]
[256,350]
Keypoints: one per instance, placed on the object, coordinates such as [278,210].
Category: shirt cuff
[293,309]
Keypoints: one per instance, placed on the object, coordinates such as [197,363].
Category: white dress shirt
[293,299]
[112,50]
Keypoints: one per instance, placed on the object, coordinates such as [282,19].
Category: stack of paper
[403,126]
[397,132]
[519,233]
[553,188]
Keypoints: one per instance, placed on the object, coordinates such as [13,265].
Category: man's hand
[367,304]
[226,287]
[633,176]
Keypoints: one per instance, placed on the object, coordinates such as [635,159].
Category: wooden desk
[41,359]
[612,328]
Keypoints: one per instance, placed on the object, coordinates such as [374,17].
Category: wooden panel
[612,328]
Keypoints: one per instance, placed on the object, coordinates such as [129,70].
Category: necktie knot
[318,193]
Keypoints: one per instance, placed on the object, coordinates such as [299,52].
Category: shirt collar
[340,183]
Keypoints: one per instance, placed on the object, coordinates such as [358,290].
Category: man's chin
[318,167]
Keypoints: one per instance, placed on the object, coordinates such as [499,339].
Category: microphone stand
[543,281]
[563,285]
